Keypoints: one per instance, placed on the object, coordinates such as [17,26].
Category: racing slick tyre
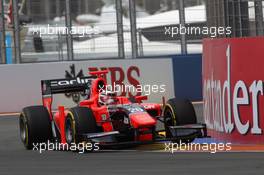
[35,126]
[178,112]
[80,120]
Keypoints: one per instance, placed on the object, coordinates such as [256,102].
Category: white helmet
[106,98]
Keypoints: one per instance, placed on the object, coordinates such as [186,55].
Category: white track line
[15,114]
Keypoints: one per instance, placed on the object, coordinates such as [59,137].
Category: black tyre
[80,120]
[35,126]
[178,112]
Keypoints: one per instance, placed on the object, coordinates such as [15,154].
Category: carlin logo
[76,96]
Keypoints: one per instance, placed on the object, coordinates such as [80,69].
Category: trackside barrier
[187,71]
[20,84]
[233,77]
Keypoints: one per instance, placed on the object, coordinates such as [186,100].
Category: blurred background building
[122,31]
[40,10]
[245,17]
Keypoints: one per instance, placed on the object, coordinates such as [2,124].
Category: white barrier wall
[20,84]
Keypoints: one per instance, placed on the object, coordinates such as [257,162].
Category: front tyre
[79,121]
[178,112]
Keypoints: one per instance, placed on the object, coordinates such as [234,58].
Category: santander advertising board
[233,75]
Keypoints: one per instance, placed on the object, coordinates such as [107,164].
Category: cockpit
[107,98]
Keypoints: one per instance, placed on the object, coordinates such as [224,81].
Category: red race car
[105,118]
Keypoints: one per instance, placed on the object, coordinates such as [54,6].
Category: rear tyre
[178,112]
[80,120]
[35,126]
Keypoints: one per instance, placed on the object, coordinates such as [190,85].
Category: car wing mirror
[139,99]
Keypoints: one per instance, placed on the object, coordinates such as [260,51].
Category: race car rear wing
[58,86]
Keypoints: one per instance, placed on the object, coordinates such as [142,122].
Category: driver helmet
[107,98]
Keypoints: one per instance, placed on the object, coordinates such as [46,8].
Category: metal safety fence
[65,30]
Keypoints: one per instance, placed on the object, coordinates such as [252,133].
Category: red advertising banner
[233,75]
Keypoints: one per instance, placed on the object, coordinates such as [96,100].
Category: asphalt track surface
[14,159]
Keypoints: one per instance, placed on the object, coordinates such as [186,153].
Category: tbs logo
[116,75]
[76,96]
